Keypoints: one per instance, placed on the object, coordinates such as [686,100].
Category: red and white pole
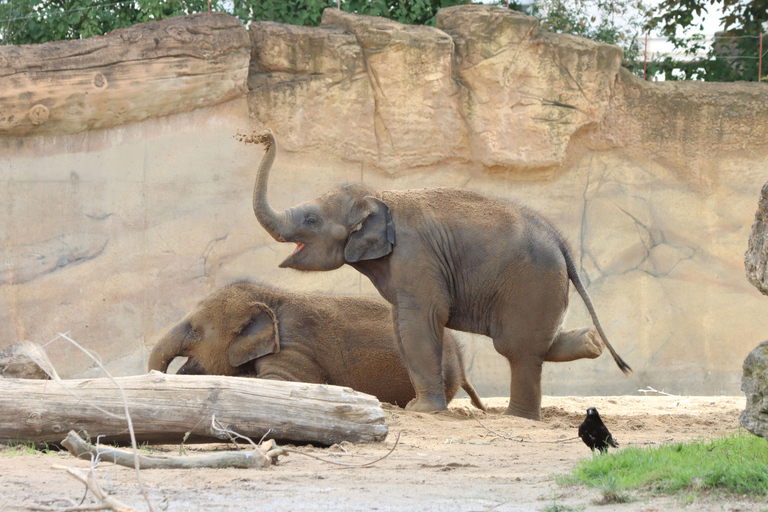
[760,61]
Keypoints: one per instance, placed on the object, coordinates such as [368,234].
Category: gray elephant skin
[446,257]
[247,329]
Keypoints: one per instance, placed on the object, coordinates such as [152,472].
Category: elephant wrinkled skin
[446,257]
[246,329]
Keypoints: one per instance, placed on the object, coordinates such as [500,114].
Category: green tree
[617,22]
[736,50]
[38,21]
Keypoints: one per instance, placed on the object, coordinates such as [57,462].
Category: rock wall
[148,70]
[113,226]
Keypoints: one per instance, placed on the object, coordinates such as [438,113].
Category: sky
[657,43]
[711,22]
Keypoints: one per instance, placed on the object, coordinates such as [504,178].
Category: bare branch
[520,439]
[287,450]
[127,417]
[257,458]
[656,392]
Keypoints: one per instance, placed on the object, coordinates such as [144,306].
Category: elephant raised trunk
[270,219]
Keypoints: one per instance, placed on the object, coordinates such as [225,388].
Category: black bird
[594,434]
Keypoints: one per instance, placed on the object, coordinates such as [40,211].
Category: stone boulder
[754,383]
[756,257]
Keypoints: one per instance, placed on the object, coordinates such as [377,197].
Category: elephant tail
[573,274]
[470,390]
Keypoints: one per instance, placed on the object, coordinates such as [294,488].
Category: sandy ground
[444,462]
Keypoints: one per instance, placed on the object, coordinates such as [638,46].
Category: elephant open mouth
[291,261]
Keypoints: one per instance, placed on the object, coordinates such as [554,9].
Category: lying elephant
[246,329]
[446,257]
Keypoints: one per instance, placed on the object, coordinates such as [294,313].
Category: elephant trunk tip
[266,137]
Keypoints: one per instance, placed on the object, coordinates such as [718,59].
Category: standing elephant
[446,257]
[246,329]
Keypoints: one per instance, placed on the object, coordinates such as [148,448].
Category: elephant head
[227,322]
[345,225]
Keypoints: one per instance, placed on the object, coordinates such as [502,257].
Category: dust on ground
[458,460]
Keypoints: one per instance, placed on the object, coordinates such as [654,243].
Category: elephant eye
[312,220]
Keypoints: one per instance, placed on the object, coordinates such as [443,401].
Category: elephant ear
[373,232]
[257,337]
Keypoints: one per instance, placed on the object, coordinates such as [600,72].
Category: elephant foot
[582,343]
[593,344]
[523,413]
[426,405]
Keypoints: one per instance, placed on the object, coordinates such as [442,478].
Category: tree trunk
[165,407]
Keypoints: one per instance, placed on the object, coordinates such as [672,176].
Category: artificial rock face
[147,70]
[121,207]
[387,86]
[484,86]
[754,383]
[524,93]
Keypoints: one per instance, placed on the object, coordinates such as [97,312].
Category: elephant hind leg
[525,387]
[576,344]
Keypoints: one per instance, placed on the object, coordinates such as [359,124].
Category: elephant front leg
[420,336]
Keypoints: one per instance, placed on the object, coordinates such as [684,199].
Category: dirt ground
[448,461]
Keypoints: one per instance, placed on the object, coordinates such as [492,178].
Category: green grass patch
[13,449]
[556,507]
[737,463]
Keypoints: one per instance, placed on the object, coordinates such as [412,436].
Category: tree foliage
[38,21]
[734,54]
[617,22]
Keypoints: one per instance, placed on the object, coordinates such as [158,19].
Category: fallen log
[164,408]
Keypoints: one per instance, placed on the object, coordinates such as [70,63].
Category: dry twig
[520,439]
[651,390]
[288,450]
[107,502]
[127,416]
